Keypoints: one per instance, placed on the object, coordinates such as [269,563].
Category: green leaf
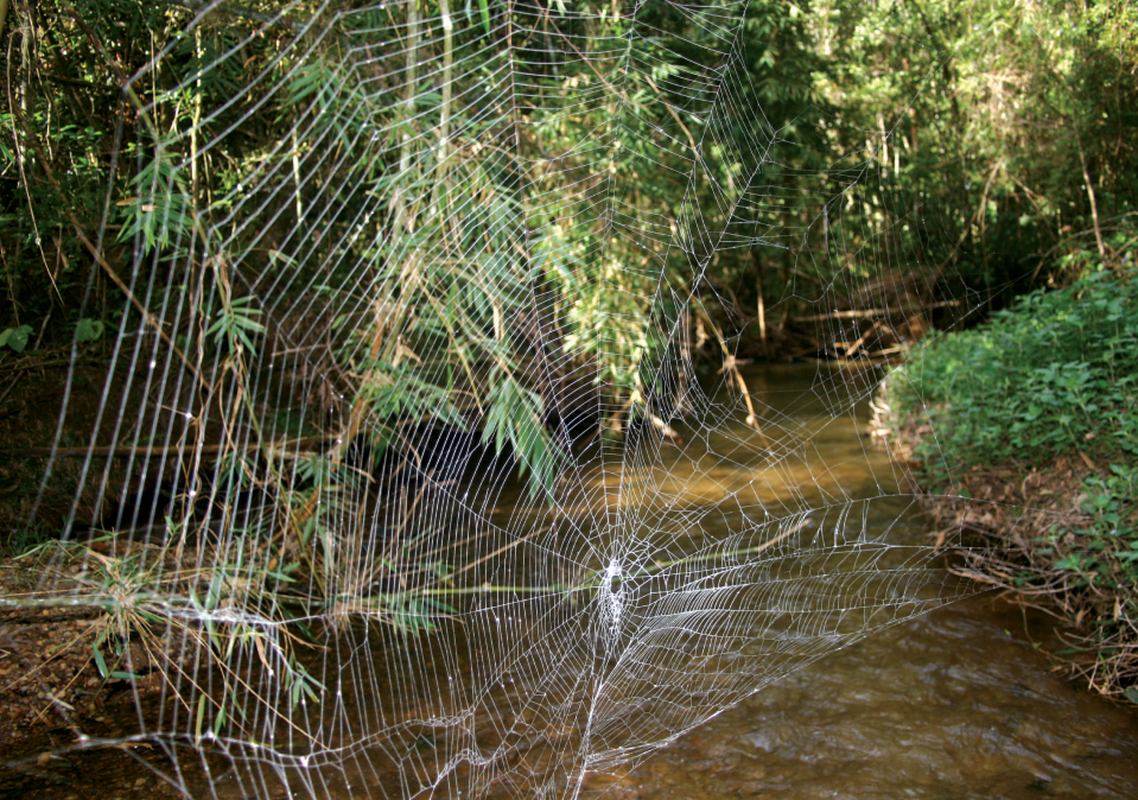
[160,212]
[277,255]
[213,594]
[484,9]
[235,323]
[100,662]
[514,417]
[16,338]
[200,718]
[88,330]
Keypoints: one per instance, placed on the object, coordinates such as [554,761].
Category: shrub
[1041,397]
[1055,374]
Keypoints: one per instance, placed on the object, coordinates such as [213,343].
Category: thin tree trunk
[1090,194]
[440,191]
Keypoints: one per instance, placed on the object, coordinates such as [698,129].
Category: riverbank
[1023,435]
[50,673]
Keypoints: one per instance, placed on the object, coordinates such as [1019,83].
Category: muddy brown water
[960,703]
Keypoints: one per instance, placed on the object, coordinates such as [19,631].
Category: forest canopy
[1000,134]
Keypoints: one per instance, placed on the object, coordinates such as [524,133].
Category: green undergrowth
[1033,418]
[1056,374]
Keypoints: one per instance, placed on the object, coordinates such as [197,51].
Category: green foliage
[988,119]
[236,325]
[1054,375]
[89,330]
[15,338]
[984,120]
[60,115]
[990,127]
[25,538]
[411,615]
[400,393]
[1104,554]
[1046,385]
[514,417]
[160,214]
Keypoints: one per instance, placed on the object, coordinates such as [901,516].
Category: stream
[959,703]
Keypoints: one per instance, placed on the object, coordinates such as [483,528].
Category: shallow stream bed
[960,703]
[963,702]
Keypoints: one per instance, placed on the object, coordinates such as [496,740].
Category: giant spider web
[423,465]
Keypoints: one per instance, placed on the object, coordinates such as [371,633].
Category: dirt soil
[51,691]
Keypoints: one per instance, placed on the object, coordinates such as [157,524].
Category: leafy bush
[1042,396]
[1055,374]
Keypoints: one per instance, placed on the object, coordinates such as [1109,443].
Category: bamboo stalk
[762,304]
[444,109]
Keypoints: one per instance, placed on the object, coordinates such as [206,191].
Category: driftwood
[869,313]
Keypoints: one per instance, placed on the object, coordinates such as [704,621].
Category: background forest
[501,241]
[404,230]
[997,139]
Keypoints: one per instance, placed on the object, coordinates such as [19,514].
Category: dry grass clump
[82,620]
